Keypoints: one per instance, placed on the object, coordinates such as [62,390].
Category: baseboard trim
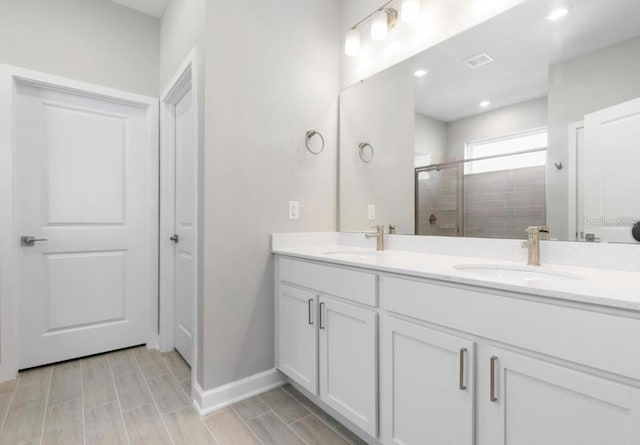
[214,399]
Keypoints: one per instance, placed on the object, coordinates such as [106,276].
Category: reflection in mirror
[528,119]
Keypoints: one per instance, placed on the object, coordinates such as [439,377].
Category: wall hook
[559,165]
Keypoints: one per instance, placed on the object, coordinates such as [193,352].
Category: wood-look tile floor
[137,396]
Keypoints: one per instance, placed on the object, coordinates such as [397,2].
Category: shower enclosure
[454,199]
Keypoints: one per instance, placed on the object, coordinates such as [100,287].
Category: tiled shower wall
[503,204]
[496,204]
[438,196]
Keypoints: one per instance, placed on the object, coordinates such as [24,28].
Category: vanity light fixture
[382,20]
[421,73]
[485,103]
[380,24]
[352,43]
[410,10]
[557,14]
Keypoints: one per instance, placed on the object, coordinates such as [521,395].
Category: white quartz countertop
[586,285]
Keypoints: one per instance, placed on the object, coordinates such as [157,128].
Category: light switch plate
[371,211]
[294,210]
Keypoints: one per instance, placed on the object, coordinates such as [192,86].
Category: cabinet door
[427,385]
[298,336]
[348,362]
[534,402]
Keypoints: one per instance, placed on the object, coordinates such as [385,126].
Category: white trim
[572,172]
[9,76]
[212,400]
[184,81]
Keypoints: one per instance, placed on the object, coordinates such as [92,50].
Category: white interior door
[82,167]
[611,206]
[185,224]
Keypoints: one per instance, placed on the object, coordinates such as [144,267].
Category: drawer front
[602,341]
[357,286]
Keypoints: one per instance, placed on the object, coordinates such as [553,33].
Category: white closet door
[610,153]
[82,169]
[185,225]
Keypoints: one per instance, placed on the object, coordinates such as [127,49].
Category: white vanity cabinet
[428,385]
[456,364]
[348,361]
[327,340]
[298,336]
[536,402]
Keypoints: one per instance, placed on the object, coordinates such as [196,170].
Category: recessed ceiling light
[557,14]
[485,103]
[421,73]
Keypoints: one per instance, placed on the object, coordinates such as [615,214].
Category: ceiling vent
[478,61]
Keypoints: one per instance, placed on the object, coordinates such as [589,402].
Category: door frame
[10,77]
[185,80]
[572,172]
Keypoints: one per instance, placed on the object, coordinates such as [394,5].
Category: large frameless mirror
[530,118]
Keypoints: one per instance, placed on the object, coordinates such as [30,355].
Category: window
[498,150]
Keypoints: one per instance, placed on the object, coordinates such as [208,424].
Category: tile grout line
[84,417]
[113,380]
[289,428]
[208,429]
[331,427]
[46,405]
[153,398]
[246,424]
[282,420]
[13,396]
[177,381]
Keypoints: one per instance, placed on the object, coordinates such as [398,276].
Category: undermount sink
[517,274]
[355,254]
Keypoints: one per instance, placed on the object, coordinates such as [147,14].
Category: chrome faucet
[535,234]
[379,235]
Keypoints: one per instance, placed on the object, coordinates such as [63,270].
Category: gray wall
[431,138]
[380,111]
[263,94]
[500,122]
[577,87]
[95,41]
[181,30]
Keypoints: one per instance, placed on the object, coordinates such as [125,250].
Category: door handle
[492,391]
[30,241]
[461,385]
[310,304]
[321,312]
[175,238]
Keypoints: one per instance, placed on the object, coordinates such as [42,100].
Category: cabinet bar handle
[321,312]
[462,386]
[310,304]
[492,394]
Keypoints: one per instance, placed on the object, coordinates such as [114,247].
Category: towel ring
[362,147]
[310,135]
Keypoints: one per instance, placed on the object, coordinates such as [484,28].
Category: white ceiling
[523,43]
[153,8]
